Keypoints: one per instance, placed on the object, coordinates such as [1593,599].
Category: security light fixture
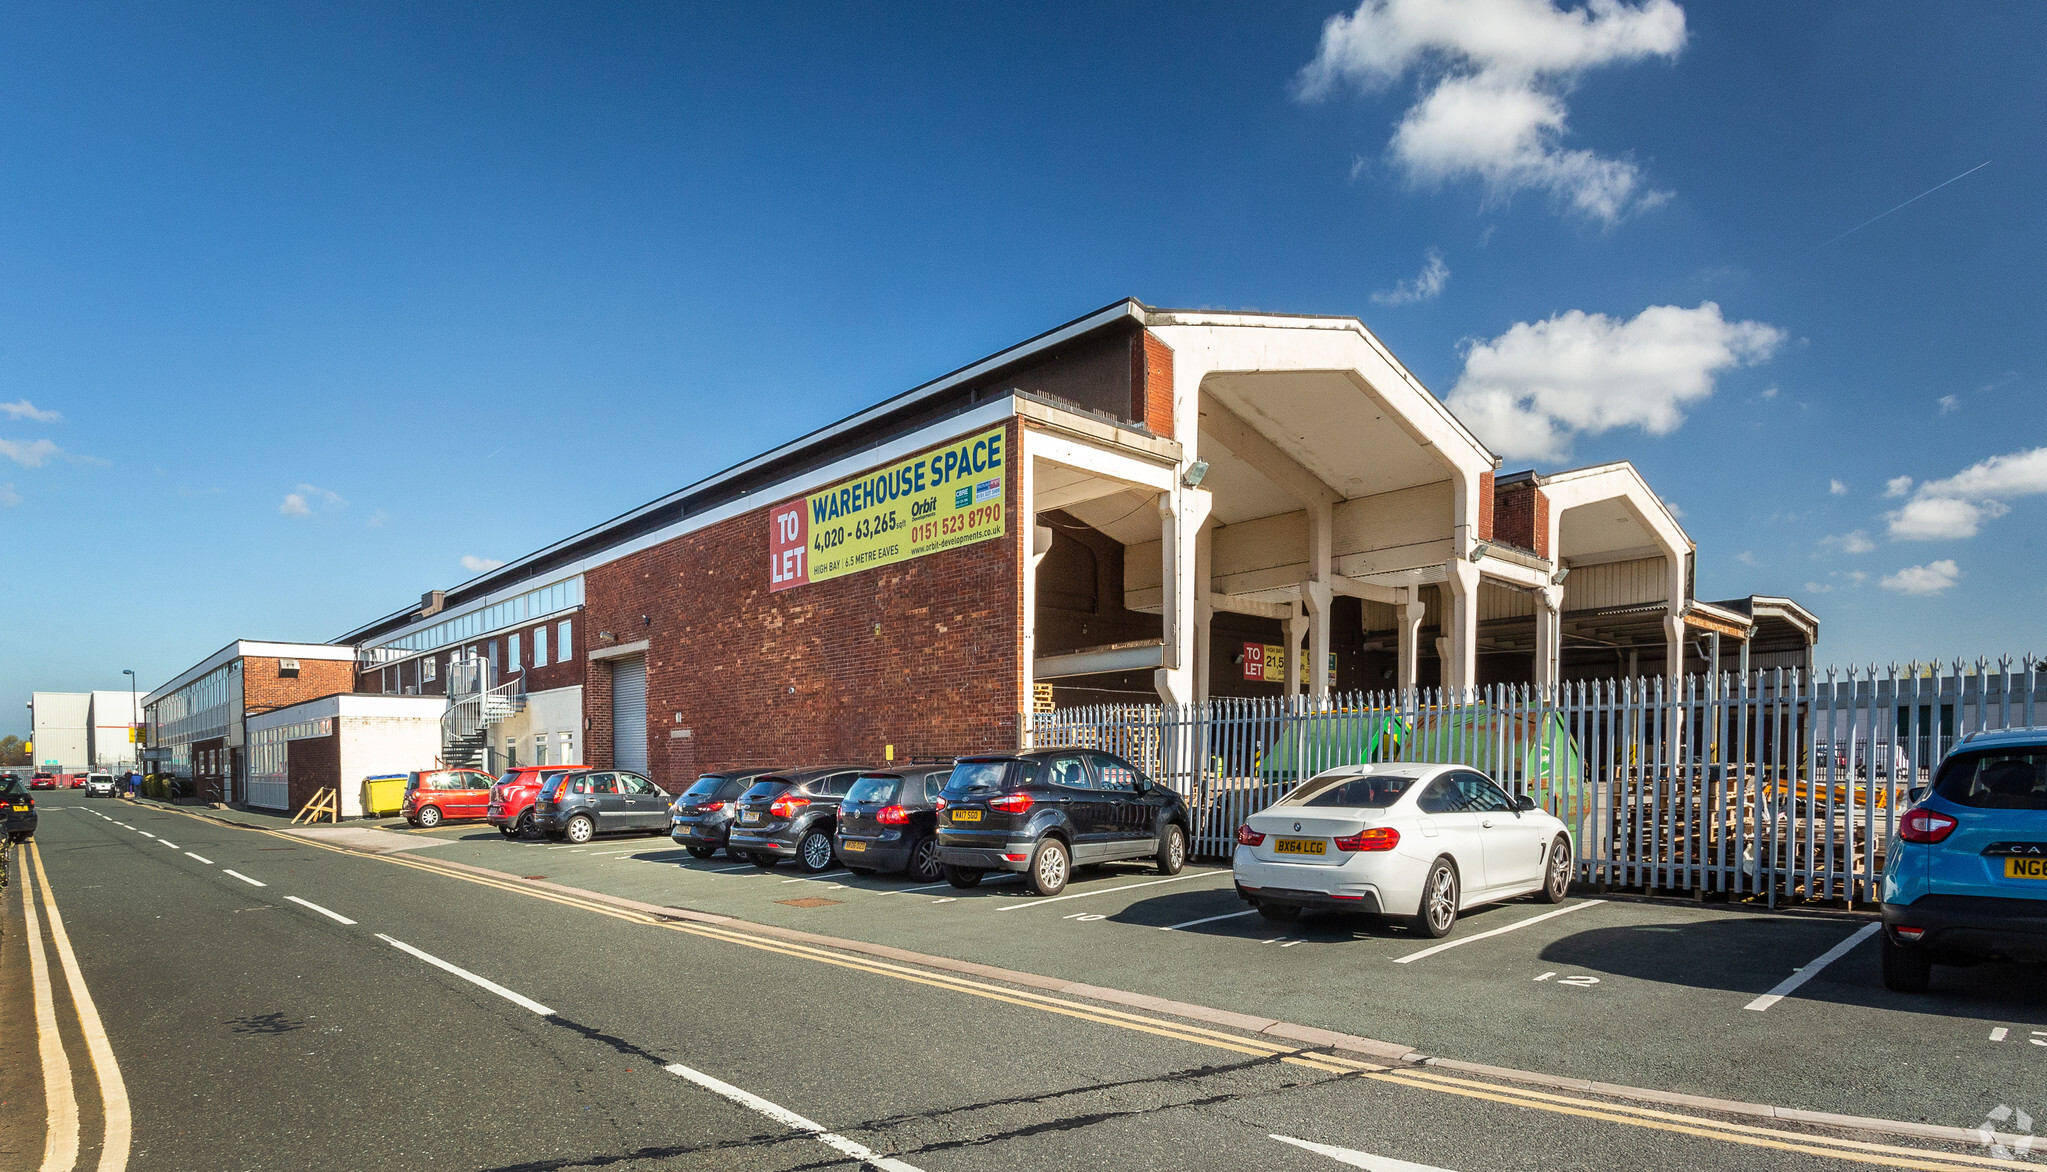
[1479,549]
[1195,472]
[1557,579]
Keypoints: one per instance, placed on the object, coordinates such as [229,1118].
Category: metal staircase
[473,707]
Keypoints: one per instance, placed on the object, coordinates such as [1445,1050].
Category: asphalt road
[460,1022]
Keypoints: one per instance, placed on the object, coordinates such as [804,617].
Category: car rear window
[14,787]
[968,776]
[764,789]
[706,787]
[873,790]
[1993,779]
[1371,792]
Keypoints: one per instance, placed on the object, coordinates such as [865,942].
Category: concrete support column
[1316,594]
[1040,542]
[1181,512]
[1549,639]
[1296,630]
[1410,617]
[1673,647]
[1204,609]
[1461,578]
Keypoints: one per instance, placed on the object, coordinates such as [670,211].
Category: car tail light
[1905,933]
[710,807]
[1011,803]
[1247,836]
[1372,838]
[892,816]
[787,807]
[1925,826]
[942,804]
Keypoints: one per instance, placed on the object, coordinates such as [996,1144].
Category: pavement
[277,1000]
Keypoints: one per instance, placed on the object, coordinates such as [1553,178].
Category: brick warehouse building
[1142,504]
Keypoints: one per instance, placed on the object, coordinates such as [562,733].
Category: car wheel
[814,851]
[581,829]
[1556,872]
[524,826]
[1172,850]
[923,865]
[1051,867]
[1279,913]
[1906,970]
[962,877]
[429,817]
[702,852]
[1438,913]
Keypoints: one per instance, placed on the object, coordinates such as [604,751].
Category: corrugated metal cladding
[629,714]
[1616,584]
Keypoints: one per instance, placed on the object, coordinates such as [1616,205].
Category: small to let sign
[943,499]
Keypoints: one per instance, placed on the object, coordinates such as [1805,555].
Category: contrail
[1913,200]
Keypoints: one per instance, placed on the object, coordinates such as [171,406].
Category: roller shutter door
[629,714]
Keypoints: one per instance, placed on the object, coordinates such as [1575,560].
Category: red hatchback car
[43,781]
[435,795]
[511,799]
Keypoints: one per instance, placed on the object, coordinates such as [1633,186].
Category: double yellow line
[1410,1077]
[61,1138]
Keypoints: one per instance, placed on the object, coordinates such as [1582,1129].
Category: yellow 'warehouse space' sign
[940,500]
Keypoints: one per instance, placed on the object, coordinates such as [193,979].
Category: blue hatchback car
[1966,878]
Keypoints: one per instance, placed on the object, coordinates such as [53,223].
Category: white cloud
[1746,557]
[1949,404]
[1931,578]
[1897,486]
[1958,505]
[23,409]
[376,520]
[1836,488]
[295,506]
[307,497]
[8,497]
[332,499]
[29,453]
[477,565]
[1530,390]
[1769,392]
[1494,75]
[1856,542]
[1434,275]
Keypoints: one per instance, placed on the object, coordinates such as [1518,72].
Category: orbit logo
[2007,1123]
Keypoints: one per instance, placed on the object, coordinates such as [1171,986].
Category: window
[1371,792]
[872,790]
[1480,795]
[511,752]
[1996,779]
[1439,798]
[633,783]
[492,648]
[1114,775]
[1067,772]
[540,748]
[562,653]
[540,647]
[565,748]
[512,660]
[428,670]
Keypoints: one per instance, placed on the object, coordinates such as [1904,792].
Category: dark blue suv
[1966,878]
[1046,812]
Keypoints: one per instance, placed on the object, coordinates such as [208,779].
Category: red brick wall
[263,689]
[1485,506]
[1152,386]
[1521,518]
[924,655]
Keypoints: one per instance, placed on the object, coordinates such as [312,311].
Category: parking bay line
[1449,944]
[480,982]
[790,1119]
[1109,890]
[1208,920]
[337,917]
[1791,983]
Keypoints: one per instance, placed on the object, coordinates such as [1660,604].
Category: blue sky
[301,306]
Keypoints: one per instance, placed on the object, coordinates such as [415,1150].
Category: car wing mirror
[1524,802]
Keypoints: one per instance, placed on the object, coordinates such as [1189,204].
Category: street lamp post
[134,720]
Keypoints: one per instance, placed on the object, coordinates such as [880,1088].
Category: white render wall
[383,744]
[60,731]
[550,714]
[112,715]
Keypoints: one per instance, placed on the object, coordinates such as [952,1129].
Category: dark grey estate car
[1048,811]
[889,822]
[792,815]
[701,819]
[579,806]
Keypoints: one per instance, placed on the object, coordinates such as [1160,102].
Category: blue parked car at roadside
[1965,879]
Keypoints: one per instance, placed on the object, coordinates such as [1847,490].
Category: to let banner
[943,499]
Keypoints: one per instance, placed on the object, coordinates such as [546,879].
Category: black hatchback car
[580,806]
[792,815]
[17,808]
[1046,812]
[701,819]
[889,822]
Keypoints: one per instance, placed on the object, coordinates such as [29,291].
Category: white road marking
[1109,890]
[1357,1159]
[926,887]
[1514,927]
[207,861]
[145,834]
[729,870]
[1209,920]
[1546,976]
[791,1119]
[1999,1034]
[608,854]
[472,978]
[60,1132]
[337,917]
[244,878]
[167,842]
[1791,983]
[1291,943]
[116,1116]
